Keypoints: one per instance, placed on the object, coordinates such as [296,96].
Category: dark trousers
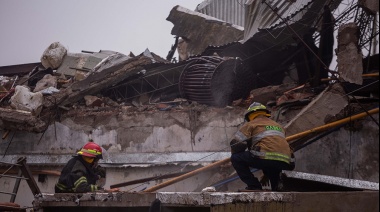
[243,161]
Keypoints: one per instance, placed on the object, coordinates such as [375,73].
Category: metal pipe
[333,124]
[187,175]
[118,185]
[289,138]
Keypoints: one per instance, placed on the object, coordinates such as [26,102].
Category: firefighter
[260,143]
[80,174]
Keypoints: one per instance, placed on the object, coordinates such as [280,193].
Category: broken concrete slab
[328,103]
[93,101]
[92,85]
[53,56]
[21,121]
[269,93]
[108,62]
[349,55]
[28,101]
[47,81]
[74,62]
[201,31]
[78,65]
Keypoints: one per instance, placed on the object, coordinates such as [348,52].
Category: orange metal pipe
[290,138]
[187,175]
[331,125]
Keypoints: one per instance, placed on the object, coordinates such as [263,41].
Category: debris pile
[213,70]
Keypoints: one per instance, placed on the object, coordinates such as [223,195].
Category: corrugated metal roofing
[260,16]
[226,10]
[277,33]
[256,15]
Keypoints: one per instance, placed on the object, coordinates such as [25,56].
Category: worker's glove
[237,146]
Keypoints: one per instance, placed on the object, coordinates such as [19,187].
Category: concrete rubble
[154,115]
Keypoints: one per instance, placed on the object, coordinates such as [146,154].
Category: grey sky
[28,27]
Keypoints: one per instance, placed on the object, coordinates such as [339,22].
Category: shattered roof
[226,10]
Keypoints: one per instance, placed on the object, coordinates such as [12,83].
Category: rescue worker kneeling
[79,174]
[260,143]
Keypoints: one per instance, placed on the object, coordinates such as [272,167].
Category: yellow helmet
[254,107]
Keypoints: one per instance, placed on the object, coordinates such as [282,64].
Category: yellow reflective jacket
[265,139]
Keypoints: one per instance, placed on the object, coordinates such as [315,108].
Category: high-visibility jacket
[77,176]
[264,138]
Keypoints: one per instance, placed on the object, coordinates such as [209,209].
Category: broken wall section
[349,150]
[132,137]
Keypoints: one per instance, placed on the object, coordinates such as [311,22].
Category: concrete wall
[138,145]
[151,143]
[344,153]
[206,130]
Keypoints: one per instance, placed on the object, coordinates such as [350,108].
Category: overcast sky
[28,27]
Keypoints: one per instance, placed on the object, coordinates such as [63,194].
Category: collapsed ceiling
[221,62]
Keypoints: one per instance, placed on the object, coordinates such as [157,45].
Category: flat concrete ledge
[219,198]
[116,199]
[215,201]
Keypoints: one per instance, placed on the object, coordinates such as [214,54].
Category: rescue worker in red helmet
[260,143]
[78,175]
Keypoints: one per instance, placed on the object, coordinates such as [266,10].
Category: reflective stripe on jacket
[76,176]
[265,139]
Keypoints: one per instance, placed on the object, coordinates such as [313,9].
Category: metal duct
[210,80]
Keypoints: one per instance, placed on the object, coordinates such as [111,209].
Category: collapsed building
[172,120]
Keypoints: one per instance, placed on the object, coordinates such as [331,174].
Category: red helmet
[92,150]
